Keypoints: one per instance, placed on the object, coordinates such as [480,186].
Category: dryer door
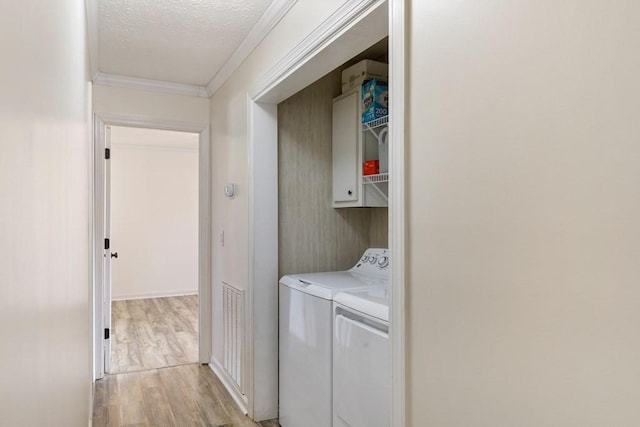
[361,372]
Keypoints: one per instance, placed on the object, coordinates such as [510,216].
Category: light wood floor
[182,396]
[154,333]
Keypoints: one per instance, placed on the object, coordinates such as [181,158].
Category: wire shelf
[375,179]
[382,121]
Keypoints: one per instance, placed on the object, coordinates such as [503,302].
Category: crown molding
[104,79]
[269,19]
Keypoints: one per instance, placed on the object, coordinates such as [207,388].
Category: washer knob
[383,262]
[373,259]
[365,258]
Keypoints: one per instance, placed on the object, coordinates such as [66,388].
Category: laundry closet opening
[333,199]
[313,234]
[152,218]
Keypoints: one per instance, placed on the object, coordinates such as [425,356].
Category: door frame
[100,122]
[334,42]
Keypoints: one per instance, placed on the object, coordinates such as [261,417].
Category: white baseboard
[161,294]
[228,383]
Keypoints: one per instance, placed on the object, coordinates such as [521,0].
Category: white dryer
[305,341]
[361,364]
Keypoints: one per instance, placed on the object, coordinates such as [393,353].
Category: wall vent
[233,327]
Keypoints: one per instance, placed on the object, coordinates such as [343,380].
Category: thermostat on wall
[230,191]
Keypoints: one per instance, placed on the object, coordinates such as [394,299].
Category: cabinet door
[345,148]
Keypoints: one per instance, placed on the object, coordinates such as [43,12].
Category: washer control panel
[373,261]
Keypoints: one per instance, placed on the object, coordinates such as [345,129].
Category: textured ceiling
[181,41]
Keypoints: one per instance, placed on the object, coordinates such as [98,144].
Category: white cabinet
[354,142]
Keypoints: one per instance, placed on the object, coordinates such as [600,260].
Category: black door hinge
[106,333]
[107,153]
[106,243]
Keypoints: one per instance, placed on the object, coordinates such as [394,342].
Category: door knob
[114,254]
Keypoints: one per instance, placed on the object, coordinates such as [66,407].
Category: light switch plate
[230,191]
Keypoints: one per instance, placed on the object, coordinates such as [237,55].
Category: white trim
[397,213]
[238,397]
[107,314]
[97,197]
[104,79]
[163,294]
[205,249]
[204,223]
[274,13]
[91,230]
[262,318]
[92,36]
[335,25]
[311,59]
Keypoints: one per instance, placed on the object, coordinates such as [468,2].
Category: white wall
[154,212]
[524,238]
[151,105]
[44,214]
[229,147]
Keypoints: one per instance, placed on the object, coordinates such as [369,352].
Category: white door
[106,297]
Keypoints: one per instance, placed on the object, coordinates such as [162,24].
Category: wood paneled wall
[379,229]
[313,236]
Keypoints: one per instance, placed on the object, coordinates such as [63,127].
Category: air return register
[233,316]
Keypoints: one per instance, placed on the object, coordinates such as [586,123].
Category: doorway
[146,293]
[152,219]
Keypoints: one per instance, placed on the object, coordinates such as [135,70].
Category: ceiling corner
[274,13]
[91,7]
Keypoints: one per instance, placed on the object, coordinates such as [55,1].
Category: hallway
[155,378]
[188,395]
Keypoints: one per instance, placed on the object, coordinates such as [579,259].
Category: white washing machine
[305,342]
[361,363]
